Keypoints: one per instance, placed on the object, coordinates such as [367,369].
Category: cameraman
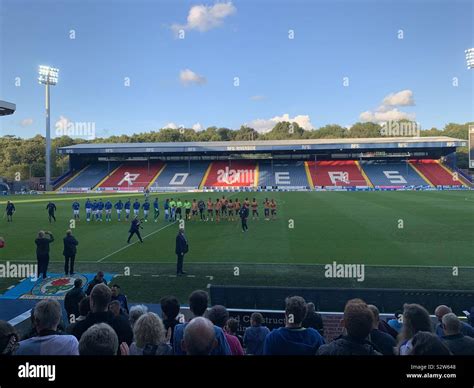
[135,229]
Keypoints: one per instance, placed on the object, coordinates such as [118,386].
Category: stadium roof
[6,108]
[265,146]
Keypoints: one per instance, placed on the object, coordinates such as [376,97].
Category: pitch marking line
[129,245]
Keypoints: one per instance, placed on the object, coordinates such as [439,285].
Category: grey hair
[452,323]
[99,340]
[136,312]
[149,330]
[47,314]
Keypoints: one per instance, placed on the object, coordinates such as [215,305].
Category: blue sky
[301,79]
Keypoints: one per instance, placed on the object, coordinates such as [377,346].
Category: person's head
[47,315]
[100,298]
[358,319]
[99,340]
[136,312]
[256,319]
[452,325]
[149,330]
[199,337]
[115,290]
[232,325]
[78,283]
[426,343]
[9,339]
[100,276]
[415,319]
[376,314]
[41,234]
[295,310]
[441,311]
[114,307]
[198,301]
[169,307]
[310,308]
[69,232]
[218,315]
[85,306]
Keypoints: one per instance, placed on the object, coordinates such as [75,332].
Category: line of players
[221,208]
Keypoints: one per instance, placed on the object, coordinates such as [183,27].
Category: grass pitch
[405,239]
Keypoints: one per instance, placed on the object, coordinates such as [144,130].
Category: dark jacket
[347,346]
[244,212]
[71,301]
[42,245]
[459,344]
[314,320]
[181,244]
[93,283]
[120,324]
[134,226]
[70,244]
[383,342]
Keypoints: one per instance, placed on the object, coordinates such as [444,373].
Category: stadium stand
[336,173]
[89,177]
[132,176]
[399,174]
[180,176]
[235,173]
[435,173]
[282,173]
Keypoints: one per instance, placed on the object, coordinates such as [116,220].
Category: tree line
[25,158]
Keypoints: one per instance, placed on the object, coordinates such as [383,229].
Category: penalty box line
[129,245]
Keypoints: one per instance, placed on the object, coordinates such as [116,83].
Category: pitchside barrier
[334,299]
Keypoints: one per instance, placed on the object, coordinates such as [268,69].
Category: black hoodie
[347,346]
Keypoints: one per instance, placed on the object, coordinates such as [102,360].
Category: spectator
[198,301]
[99,340]
[232,327]
[118,296]
[458,343]
[383,342]
[72,299]
[136,312]
[170,309]
[440,312]
[396,323]
[98,279]
[415,319]
[69,252]
[358,322]
[426,343]
[219,316]
[99,301]
[313,319]
[84,309]
[150,337]
[293,339]
[9,339]
[199,337]
[254,336]
[48,342]
[114,308]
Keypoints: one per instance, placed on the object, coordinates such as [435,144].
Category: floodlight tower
[470,58]
[48,76]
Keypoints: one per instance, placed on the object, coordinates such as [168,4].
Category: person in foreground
[199,337]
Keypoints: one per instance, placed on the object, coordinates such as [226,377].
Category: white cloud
[171,126]
[401,98]
[197,127]
[265,125]
[26,122]
[257,98]
[387,115]
[203,18]
[189,77]
[388,112]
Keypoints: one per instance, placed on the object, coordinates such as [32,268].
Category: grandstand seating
[180,175]
[398,174]
[237,173]
[336,173]
[283,173]
[437,174]
[140,175]
[90,176]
